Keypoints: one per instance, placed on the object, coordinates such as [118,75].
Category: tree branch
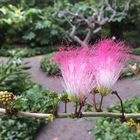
[126,8]
[88,36]
[67,115]
[76,38]
[27,114]
[97,30]
[101,114]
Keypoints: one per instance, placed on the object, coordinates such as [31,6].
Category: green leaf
[29,36]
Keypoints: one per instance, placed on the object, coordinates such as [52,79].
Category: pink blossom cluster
[108,63]
[77,71]
[85,68]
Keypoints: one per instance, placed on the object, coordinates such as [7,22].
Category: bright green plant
[18,129]
[48,66]
[114,129]
[14,76]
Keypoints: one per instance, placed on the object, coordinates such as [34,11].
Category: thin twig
[94,101]
[81,106]
[101,102]
[121,102]
[76,107]
[65,107]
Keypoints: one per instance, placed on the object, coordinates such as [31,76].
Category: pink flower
[77,71]
[108,63]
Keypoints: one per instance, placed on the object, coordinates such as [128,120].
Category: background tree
[91,18]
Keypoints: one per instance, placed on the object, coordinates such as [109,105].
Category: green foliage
[34,26]
[73,12]
[105,32]
[18,129]
[134,13]
[30,97]
[39,23]
[114,129]
[50,67]
[132,69]
[14,76]
[136,51]
[36,99]
[24,51]
[127,74]
[132,37]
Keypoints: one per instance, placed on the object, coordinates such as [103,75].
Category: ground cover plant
[49,66]
[114,129]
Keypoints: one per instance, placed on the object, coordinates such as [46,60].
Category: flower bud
[6,97]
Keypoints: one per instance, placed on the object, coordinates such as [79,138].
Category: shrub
[132,37]
[24,51]
[30,97]
[114,129]
[14,76]
[136,51]
[48,66]
[27,25]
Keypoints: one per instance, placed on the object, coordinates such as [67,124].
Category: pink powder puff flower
[108,63]
[77,72]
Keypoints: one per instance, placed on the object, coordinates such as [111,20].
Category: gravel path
[75,129]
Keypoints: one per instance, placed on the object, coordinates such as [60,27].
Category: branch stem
[67,115]
[65,107]
[94,102]
[101,102]
[122,107]
[76,107]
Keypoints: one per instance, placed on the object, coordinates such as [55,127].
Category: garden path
[73,129]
